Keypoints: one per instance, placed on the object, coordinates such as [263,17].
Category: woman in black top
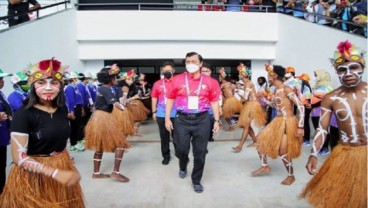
[132,96]
[104,132]
[44,174]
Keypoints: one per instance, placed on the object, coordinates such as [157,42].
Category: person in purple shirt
[194,94]
[20,93]
[5,116]
[74,102]
[158,108]
[87,99]
[92,87]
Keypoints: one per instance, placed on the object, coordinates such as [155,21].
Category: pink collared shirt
[208,92]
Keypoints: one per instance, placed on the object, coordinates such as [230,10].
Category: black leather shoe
[166,161]
[211,140]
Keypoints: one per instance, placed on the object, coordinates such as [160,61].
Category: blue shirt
[93,91]
[16,99]
[4,127]
[72,97]
[83,89]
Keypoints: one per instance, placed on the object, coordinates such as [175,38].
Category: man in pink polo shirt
[194,94]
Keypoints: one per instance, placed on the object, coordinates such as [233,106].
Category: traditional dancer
[231,105]
[103,131]
[342,180]
[132,96]
[44,174]
[283,136]
[252,116]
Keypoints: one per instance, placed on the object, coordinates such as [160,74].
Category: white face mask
[162,76]
[288,75]
[191,68]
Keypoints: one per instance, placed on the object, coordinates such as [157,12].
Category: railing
[4,19]
[168,6]
[362,29]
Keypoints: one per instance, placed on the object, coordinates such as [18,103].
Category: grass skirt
[104,134]
[269,139]
[139,111]
[252,110]
[124,120]
[341,181]
[34,190]
[231,107]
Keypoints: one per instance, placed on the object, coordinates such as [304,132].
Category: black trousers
[2,167]
[212,122]
[306,124]
[17,20]
[76,126]
[195,130]
[165,137]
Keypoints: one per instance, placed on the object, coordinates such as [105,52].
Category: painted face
[129,81]
[350,74]
[47,89]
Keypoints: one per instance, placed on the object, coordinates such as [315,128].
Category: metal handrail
[36,10]
[323,16]
[140,6]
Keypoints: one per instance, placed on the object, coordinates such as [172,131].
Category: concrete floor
[226,179]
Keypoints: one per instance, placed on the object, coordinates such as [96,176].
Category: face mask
[167,74]
[162,76]
[288,75]
[191,68]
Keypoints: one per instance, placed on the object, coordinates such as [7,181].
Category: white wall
[307,47]
[171,34]
[52,36]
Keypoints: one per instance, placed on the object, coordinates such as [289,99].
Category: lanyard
[187,85]
[164,86]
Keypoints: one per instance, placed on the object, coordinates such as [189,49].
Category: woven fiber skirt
[124,120]
[341,181]
[103,134]
[24,189]
[231,107]
[269,139]
[252,110]
[138,110]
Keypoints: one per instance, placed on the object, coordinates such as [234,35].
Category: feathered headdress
[269,69]
[128,74]
[347,52]
[45,69]
[244,70]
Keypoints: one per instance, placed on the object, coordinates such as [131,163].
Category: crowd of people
[51,105]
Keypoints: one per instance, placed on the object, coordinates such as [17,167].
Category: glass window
[147,70]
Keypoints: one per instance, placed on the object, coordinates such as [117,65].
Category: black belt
[192,115]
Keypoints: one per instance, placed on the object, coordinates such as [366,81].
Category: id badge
[192,102]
